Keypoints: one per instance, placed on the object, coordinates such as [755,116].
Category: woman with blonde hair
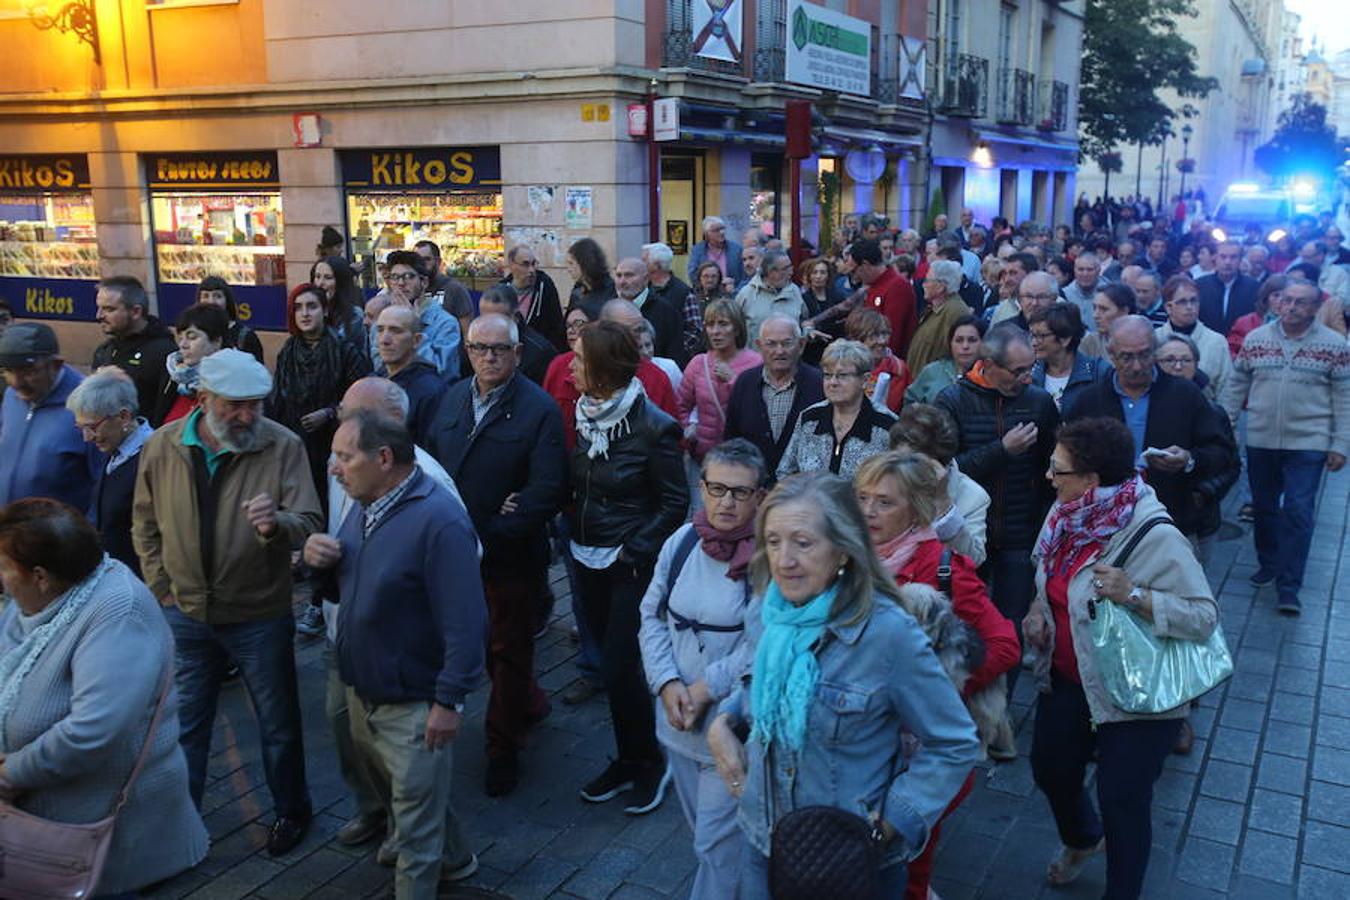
[705,389]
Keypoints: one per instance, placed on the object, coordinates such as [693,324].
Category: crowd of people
[816,518]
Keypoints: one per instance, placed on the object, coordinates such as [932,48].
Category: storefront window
[451,196]
[48,249]
[765,175]
[203,227]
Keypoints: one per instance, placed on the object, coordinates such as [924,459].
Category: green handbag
[1143,673]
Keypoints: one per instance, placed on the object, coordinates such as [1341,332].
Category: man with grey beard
[222,498]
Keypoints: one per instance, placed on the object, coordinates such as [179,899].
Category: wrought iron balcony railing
[963,86]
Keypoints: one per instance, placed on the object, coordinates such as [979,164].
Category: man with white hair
[222,498]
[1087,281]
[716,247]
[770,292]
[663,285]
[630,280]
[943,306]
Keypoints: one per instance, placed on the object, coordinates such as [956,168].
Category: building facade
[1004,84]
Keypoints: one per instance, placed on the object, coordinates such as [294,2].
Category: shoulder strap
[944,571]
[682,551]
[1138,536]
[165,681]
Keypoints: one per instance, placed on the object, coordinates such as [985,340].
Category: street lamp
[1186,132]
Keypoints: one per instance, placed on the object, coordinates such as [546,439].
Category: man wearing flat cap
[222,498]
[41,451]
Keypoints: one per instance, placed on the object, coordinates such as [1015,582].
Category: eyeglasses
[91,430]
[489,349]
[1056,471]
[1038,336]
[576,328]
[1125,359]
[1044,298]
[844,376]
[1185,301]
[718,490]
[1175,362]
[1305,302]
[402,276]
[777,345]
[1019,372]
[527,263]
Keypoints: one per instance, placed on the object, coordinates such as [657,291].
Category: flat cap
[25,343]
[234,375]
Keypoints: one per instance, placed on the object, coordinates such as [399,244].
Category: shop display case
[239,237]
[466,226]
[48,236]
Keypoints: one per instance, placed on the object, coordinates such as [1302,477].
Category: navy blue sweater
[412,625]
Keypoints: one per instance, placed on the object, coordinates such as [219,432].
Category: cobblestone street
[1258,810]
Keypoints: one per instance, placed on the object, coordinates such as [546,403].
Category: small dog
[961,652]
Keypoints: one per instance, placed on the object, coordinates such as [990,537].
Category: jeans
[1011,577]
[1130,758]
[588,659]
[610,599]
[264,652]
[367,796]
[390,738]
[515,697]
[755,878]
[1284,495]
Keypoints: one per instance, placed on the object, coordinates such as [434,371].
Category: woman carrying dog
[1101,504]
[901,495]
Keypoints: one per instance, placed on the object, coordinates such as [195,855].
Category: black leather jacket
[636,495]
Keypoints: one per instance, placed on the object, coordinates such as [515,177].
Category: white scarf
[601,421]
[23,656]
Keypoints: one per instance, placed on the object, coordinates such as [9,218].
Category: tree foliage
[1303,142]
[1132,50]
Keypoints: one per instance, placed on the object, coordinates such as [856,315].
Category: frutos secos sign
[443,168]
[828,50]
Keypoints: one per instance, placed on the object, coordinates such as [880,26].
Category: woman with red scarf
[694,648]
[901,496]
[1102,507]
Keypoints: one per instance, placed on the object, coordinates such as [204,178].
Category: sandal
[1068,863]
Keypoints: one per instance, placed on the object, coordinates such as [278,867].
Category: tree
[1132,50]
[1303,143]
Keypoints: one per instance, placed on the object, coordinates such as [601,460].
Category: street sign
[666,113]
[828,50]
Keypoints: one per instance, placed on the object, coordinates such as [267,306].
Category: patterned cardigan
[812,446]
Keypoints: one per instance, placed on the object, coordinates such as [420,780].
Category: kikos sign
[44,173]
[445,168]
[212,170]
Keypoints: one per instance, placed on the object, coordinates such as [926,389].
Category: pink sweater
[703,391]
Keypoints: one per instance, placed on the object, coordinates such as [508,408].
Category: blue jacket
[412,625]
[698,255]
[1086,371]
[879,678]
[425,387]
[42,453]
[516,449]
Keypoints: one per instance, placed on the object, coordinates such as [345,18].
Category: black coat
[593,300]
[1178,414]
[535,354]
[141,356]
[516,449]
[667,318]
[748,418]
[546,313]
[242,337]
[636,495]
[111,508]
[424,387]
[1241,300]
[1019,494]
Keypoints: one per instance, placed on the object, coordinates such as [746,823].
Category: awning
[1004,138]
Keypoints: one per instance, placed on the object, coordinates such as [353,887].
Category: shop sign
[192,171]
[71,299]
[828,50]
[44,173]
[443,168]
[666,117]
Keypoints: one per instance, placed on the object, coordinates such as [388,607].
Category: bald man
[398,334]
[667,318]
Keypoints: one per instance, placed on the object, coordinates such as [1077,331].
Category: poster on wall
[716,29]
[828,50]
[677,236]
[579,209]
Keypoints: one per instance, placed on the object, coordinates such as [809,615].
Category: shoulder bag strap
[1138,536]
[165,682]
[944,572]
[682,551]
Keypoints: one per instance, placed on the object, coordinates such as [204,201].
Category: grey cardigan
[80,720]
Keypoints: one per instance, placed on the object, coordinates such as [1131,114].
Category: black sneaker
[649,790]
[1262,577]
[1288,606]
[502,776]
[619,777]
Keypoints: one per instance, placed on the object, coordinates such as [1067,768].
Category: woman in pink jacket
[706,388]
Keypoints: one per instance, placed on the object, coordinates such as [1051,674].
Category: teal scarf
[786,671]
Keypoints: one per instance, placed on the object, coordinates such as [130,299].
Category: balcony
[1052,109]
[1016,97]
[964,86]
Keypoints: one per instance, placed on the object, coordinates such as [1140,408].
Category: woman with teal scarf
[840,674]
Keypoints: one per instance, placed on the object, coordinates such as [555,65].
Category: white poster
[913,59]
[828,50]
[716,29]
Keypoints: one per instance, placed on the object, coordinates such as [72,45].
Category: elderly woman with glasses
[695,648]
[1181,299]
[842,430]
[86,657]
[1101,504]
[840,674]
[1061,368]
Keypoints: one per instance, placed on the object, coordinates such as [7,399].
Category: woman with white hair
[844,429]
[104,406]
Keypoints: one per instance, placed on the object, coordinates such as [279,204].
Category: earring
[843,567]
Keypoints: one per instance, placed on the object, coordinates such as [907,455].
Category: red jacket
[893,297]
[563,389]
[970,600]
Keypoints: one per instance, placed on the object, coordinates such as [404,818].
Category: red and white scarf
[1091,519]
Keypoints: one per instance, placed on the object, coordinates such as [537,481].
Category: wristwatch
[1136,596]
[1190,465]
[458,707]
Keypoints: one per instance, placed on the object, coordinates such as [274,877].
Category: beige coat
[250,578]
[1163,563]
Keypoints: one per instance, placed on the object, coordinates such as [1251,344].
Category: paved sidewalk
[1261,809]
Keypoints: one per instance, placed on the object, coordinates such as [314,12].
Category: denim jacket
[879,679]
